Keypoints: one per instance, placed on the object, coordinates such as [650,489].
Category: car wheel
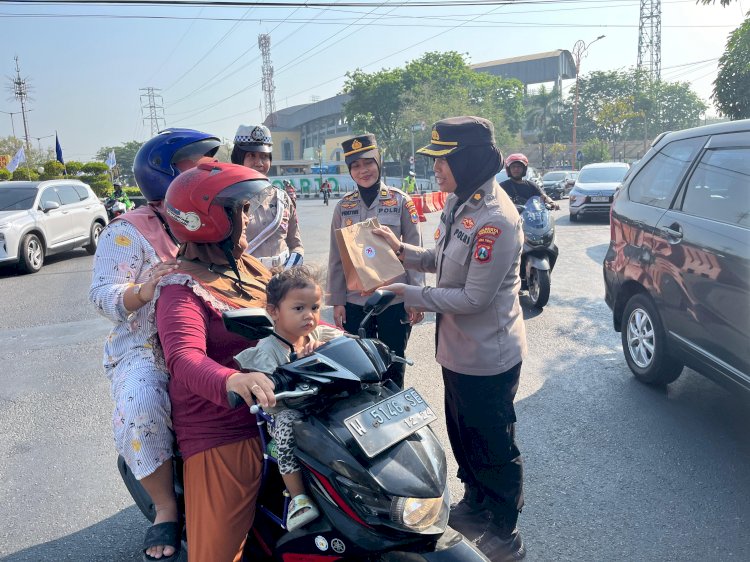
[539,287]
[32,254]
[573,218]
[644,343]
[96,230]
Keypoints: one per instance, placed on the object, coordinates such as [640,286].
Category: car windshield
[16,198]
[602,175]
[554,176]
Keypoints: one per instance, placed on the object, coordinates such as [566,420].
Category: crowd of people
[219,236]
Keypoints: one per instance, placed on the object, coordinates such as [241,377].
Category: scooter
[114,207]
[539,252]
[369,458]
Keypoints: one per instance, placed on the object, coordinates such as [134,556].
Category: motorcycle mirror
[378,301]
[251,323]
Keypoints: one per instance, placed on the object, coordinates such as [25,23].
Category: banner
[111,161]
[16,161]
[58,151]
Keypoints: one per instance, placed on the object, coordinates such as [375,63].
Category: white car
[40,218]
[594,188]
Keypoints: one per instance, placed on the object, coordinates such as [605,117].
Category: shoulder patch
[489,231]
[437,233]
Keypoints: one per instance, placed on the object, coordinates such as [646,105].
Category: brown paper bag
[368,260]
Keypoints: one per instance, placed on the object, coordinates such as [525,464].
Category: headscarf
[473,166]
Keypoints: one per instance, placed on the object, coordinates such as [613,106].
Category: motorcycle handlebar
[283,384]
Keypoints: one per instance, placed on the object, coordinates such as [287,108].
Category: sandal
[164,534]
[302,510]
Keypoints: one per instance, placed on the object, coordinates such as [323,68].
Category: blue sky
[86,72]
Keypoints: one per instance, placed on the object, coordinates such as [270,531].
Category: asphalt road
[614,470]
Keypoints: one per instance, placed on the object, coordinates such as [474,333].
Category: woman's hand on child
[253,387]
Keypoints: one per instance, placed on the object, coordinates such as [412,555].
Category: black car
[677,271]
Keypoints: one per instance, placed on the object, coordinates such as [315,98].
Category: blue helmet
[154,165]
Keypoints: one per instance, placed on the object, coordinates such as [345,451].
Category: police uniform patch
[348,222]
[489,231]
[414,218]
[468,223]
[483,253]
[384,193]
[477,196]
[437,233]
[349,205]
[389,203]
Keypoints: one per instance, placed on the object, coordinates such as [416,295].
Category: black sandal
[164,534]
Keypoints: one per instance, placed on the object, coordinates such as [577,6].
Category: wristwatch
[137,292]
[400,250]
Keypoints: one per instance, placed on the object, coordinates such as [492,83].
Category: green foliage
[99,183]
[93,168]
[594,151]
[724,3]
[10,145]
[125,155]
[25,174]
[74,168]
[52,170]
[132,191]
[731,93]
[5,175]
[389,103]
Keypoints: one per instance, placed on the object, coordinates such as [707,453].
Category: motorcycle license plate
[389,421]
[600,199]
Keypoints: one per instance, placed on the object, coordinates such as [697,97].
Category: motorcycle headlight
[417,514]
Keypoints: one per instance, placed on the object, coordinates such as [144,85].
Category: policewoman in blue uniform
[480,333]
[392,207]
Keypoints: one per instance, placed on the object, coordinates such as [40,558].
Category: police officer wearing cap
[481,338]
[273,231]
[392,207]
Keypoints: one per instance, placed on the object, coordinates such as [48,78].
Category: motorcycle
[369,458]
[539,252]
[114,207]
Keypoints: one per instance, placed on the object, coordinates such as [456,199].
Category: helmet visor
[255,193]
[189,156]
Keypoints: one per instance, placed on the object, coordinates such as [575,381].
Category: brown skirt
[221,487]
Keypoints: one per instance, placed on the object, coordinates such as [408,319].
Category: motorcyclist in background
[119,195]
[518,189]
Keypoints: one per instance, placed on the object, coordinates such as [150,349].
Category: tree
[543,106]
[390,103]
[595,150]
[5,175]
[731,93]
[23,173]
[613,117]
[52,170]
[125,155]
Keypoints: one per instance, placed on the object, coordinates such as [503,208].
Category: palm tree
[544,105]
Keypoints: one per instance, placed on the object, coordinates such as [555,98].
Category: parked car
[558,183]
[531,175]
[40,218]
[677,271]
[596,184]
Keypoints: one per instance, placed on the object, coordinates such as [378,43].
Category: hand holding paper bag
[368,260]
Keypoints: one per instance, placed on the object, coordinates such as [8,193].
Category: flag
[111,161]
[16,161]
[58,150]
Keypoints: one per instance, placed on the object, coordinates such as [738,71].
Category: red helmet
[200,201]
[517,157]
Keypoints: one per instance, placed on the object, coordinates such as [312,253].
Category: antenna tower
[649,39]
[264,43]
[152,109]
[21,93]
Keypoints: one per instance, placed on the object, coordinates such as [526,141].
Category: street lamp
[580,49]
[39,142]
[12,123]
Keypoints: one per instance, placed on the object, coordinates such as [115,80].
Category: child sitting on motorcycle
[294,302]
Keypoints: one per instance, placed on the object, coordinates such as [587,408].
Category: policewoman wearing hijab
[480,333]
[392,207]
[273,232]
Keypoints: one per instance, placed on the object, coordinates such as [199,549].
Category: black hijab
[473,166]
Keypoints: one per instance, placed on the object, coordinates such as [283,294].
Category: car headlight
[416,513]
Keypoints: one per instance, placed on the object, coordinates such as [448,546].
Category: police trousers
[481,427]
[388,328]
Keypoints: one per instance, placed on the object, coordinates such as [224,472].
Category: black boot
[465,515]
[501,541]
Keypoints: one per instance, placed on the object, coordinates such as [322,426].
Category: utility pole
[152,109]
[21,93]
[649,39]
[264,43]
[580,49]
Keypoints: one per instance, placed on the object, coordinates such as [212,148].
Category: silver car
[40,218]
[594,188]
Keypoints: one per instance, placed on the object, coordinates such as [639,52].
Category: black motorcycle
[539,252]
[369,458]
